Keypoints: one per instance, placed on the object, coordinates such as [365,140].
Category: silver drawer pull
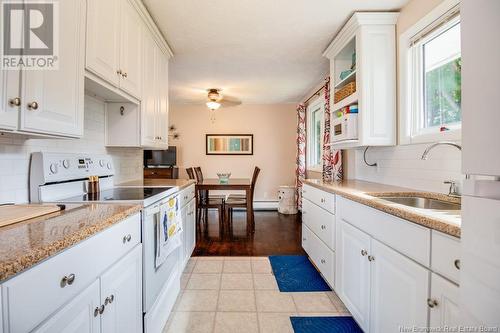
[127,238]
[323,261]
[457,264]
[109,299]
[371,258]
[322,200]
[364,252]
[323,227]
[67,280]
[432,303]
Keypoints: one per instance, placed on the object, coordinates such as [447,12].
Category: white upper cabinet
[10,99]
[162,86]
[363,72]
[52,100]
[103,51]
[131,50]
[114,41]
[49,101]
[149,101]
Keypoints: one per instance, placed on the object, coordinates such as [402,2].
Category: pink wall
[273,127]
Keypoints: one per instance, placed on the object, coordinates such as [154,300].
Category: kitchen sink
[425,203]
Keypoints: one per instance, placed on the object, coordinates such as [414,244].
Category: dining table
[233,184]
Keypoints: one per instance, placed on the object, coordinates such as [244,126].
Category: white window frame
[314,106]
[409,106]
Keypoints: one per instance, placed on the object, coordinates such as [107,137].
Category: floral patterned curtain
[332,158]
[300,171]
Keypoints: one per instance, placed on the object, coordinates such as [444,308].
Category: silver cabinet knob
[33,105]
[364,252]
[323,261]
[322,200]
[432,303]
[101,309]
[125,75]
[323,227]
[127,238]
[96,311]
[15,101]
[67,280]
[371,258]
[119,72]
[457,264]
[109,299]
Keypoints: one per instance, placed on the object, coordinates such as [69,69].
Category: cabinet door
[103,48]
[162,99]
[121,293]
[149,97]
[446,310]
[78,316]
[131,49]
[353,272]
[9,94]
[190,230]
[58,94]
[399,289]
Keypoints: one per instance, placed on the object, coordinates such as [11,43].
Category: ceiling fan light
[213,105]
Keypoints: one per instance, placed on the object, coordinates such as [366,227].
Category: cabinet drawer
[306,238]
[186,195]
[321,198]
[406,237]
[320,221]
[445,258]
[158,173]
[323,258]
[35,294]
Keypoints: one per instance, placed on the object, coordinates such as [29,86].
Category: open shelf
[348,79]
[351,99]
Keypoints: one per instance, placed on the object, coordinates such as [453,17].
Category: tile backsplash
[402,166]
[15,152]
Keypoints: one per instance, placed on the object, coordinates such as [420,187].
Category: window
[431,64]
[315,128]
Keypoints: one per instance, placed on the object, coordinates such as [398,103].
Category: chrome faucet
[428,149]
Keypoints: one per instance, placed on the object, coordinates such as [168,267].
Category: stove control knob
[101,163]
[53,168]
[66,164]
[109,165]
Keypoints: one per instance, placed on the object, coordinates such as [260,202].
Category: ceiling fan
[215,100]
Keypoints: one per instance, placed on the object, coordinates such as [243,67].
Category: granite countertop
[367,193]
[180,183]
[27,243]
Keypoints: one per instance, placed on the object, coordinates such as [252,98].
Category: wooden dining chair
[190,173]
[206,202]
[240,201]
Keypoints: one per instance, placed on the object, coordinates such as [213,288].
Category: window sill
[453,135]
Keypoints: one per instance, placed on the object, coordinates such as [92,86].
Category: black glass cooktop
[120,193]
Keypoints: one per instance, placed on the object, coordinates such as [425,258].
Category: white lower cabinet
[443,303]
[381,282]
[353,272]
[78,315]
[121,294]
[398,290]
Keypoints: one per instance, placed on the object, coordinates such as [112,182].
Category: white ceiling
[260,51]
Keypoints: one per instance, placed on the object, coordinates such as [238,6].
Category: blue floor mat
[325,325]
[296,274]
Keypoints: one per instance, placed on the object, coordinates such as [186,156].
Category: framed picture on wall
[229,144]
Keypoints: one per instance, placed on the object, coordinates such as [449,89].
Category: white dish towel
[168,230]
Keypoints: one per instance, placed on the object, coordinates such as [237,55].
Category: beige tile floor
[240,294]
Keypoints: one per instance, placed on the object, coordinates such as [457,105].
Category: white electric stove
[63,178]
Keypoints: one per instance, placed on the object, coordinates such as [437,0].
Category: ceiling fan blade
[230,101]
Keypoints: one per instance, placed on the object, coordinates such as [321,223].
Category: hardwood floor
[274,234]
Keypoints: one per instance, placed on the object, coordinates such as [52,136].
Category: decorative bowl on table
[224,177]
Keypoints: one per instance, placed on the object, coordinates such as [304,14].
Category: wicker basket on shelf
[345,91]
